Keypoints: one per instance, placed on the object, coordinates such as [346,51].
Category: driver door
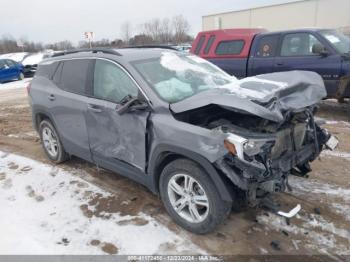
[296,54]
[115,139]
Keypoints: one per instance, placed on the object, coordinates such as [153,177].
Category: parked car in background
[201,139]
[10,70]
[31,62]
[184,48]
[250,52]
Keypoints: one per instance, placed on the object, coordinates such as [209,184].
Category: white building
[291,15]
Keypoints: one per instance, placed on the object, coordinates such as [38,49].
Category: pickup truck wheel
[51,142]
[191,198]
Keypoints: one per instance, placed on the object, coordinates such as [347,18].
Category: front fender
[162,151]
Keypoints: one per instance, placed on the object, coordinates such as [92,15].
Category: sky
[50,21]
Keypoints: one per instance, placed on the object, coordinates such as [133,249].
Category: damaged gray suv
[201,139]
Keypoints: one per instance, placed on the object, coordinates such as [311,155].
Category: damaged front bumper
[259,178]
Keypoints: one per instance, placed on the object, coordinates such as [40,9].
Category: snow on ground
[41,213]
[322,235]
[344,155]
[15,84]
[18,57]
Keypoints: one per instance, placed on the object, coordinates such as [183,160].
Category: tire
[57,154]
[210,216]
[20,76]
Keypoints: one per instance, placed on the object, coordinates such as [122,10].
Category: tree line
[152,32]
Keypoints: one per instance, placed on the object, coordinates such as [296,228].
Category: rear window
[199,45]
[209,44]
[46,70]
[232,47]
[74,76]
[267,46]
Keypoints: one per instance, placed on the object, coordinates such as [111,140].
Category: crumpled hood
[268,96]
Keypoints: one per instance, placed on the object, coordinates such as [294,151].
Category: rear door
[115,139]
[5,71]
[68,104]
[12,68]
[263,54]
[296,54]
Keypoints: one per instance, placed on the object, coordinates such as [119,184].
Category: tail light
[28,86]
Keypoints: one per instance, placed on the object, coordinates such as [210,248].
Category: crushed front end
[261,158]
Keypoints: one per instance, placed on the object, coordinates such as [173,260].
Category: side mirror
[319,50]
[130,104]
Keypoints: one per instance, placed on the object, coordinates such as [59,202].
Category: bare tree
[181,28]
[9,44]
[126,31]
[141,39]
[62,45]
[165,31]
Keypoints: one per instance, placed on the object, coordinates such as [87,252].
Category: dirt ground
[322,227]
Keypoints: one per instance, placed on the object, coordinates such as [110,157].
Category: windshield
[177,76]
[339,41]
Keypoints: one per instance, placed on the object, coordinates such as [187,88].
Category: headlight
[254,146]
[234,144]
[239,146]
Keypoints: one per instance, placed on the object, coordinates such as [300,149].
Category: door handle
[51,97]
[94,108]
[280,64]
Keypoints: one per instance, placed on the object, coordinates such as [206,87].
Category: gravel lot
[74,208]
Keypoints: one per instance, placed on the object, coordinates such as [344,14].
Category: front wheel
[191,198]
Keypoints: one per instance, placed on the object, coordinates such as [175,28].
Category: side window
[10,63]
[267,46]
[112,83]
[47,70]
[209,44]
[232,47]
[2,64]
[57,75]
[74,76]
[299,44]
[199,45]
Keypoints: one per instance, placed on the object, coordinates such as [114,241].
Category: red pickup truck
[249,52]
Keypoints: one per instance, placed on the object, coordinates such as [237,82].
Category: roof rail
[153,46]
[93,50]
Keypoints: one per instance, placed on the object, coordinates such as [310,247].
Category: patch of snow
[18,57]
[263,251]
[320,242]
[174,62]
[41,214]
[15,84]
[33,59]
[344,155]
[342,209]
[331,122]
[317,221]
[24,135]
[311,185]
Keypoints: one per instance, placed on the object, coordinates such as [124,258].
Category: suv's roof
[126,54]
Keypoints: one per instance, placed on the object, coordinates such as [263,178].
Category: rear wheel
[51,142]
[191,198]
[20,76]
